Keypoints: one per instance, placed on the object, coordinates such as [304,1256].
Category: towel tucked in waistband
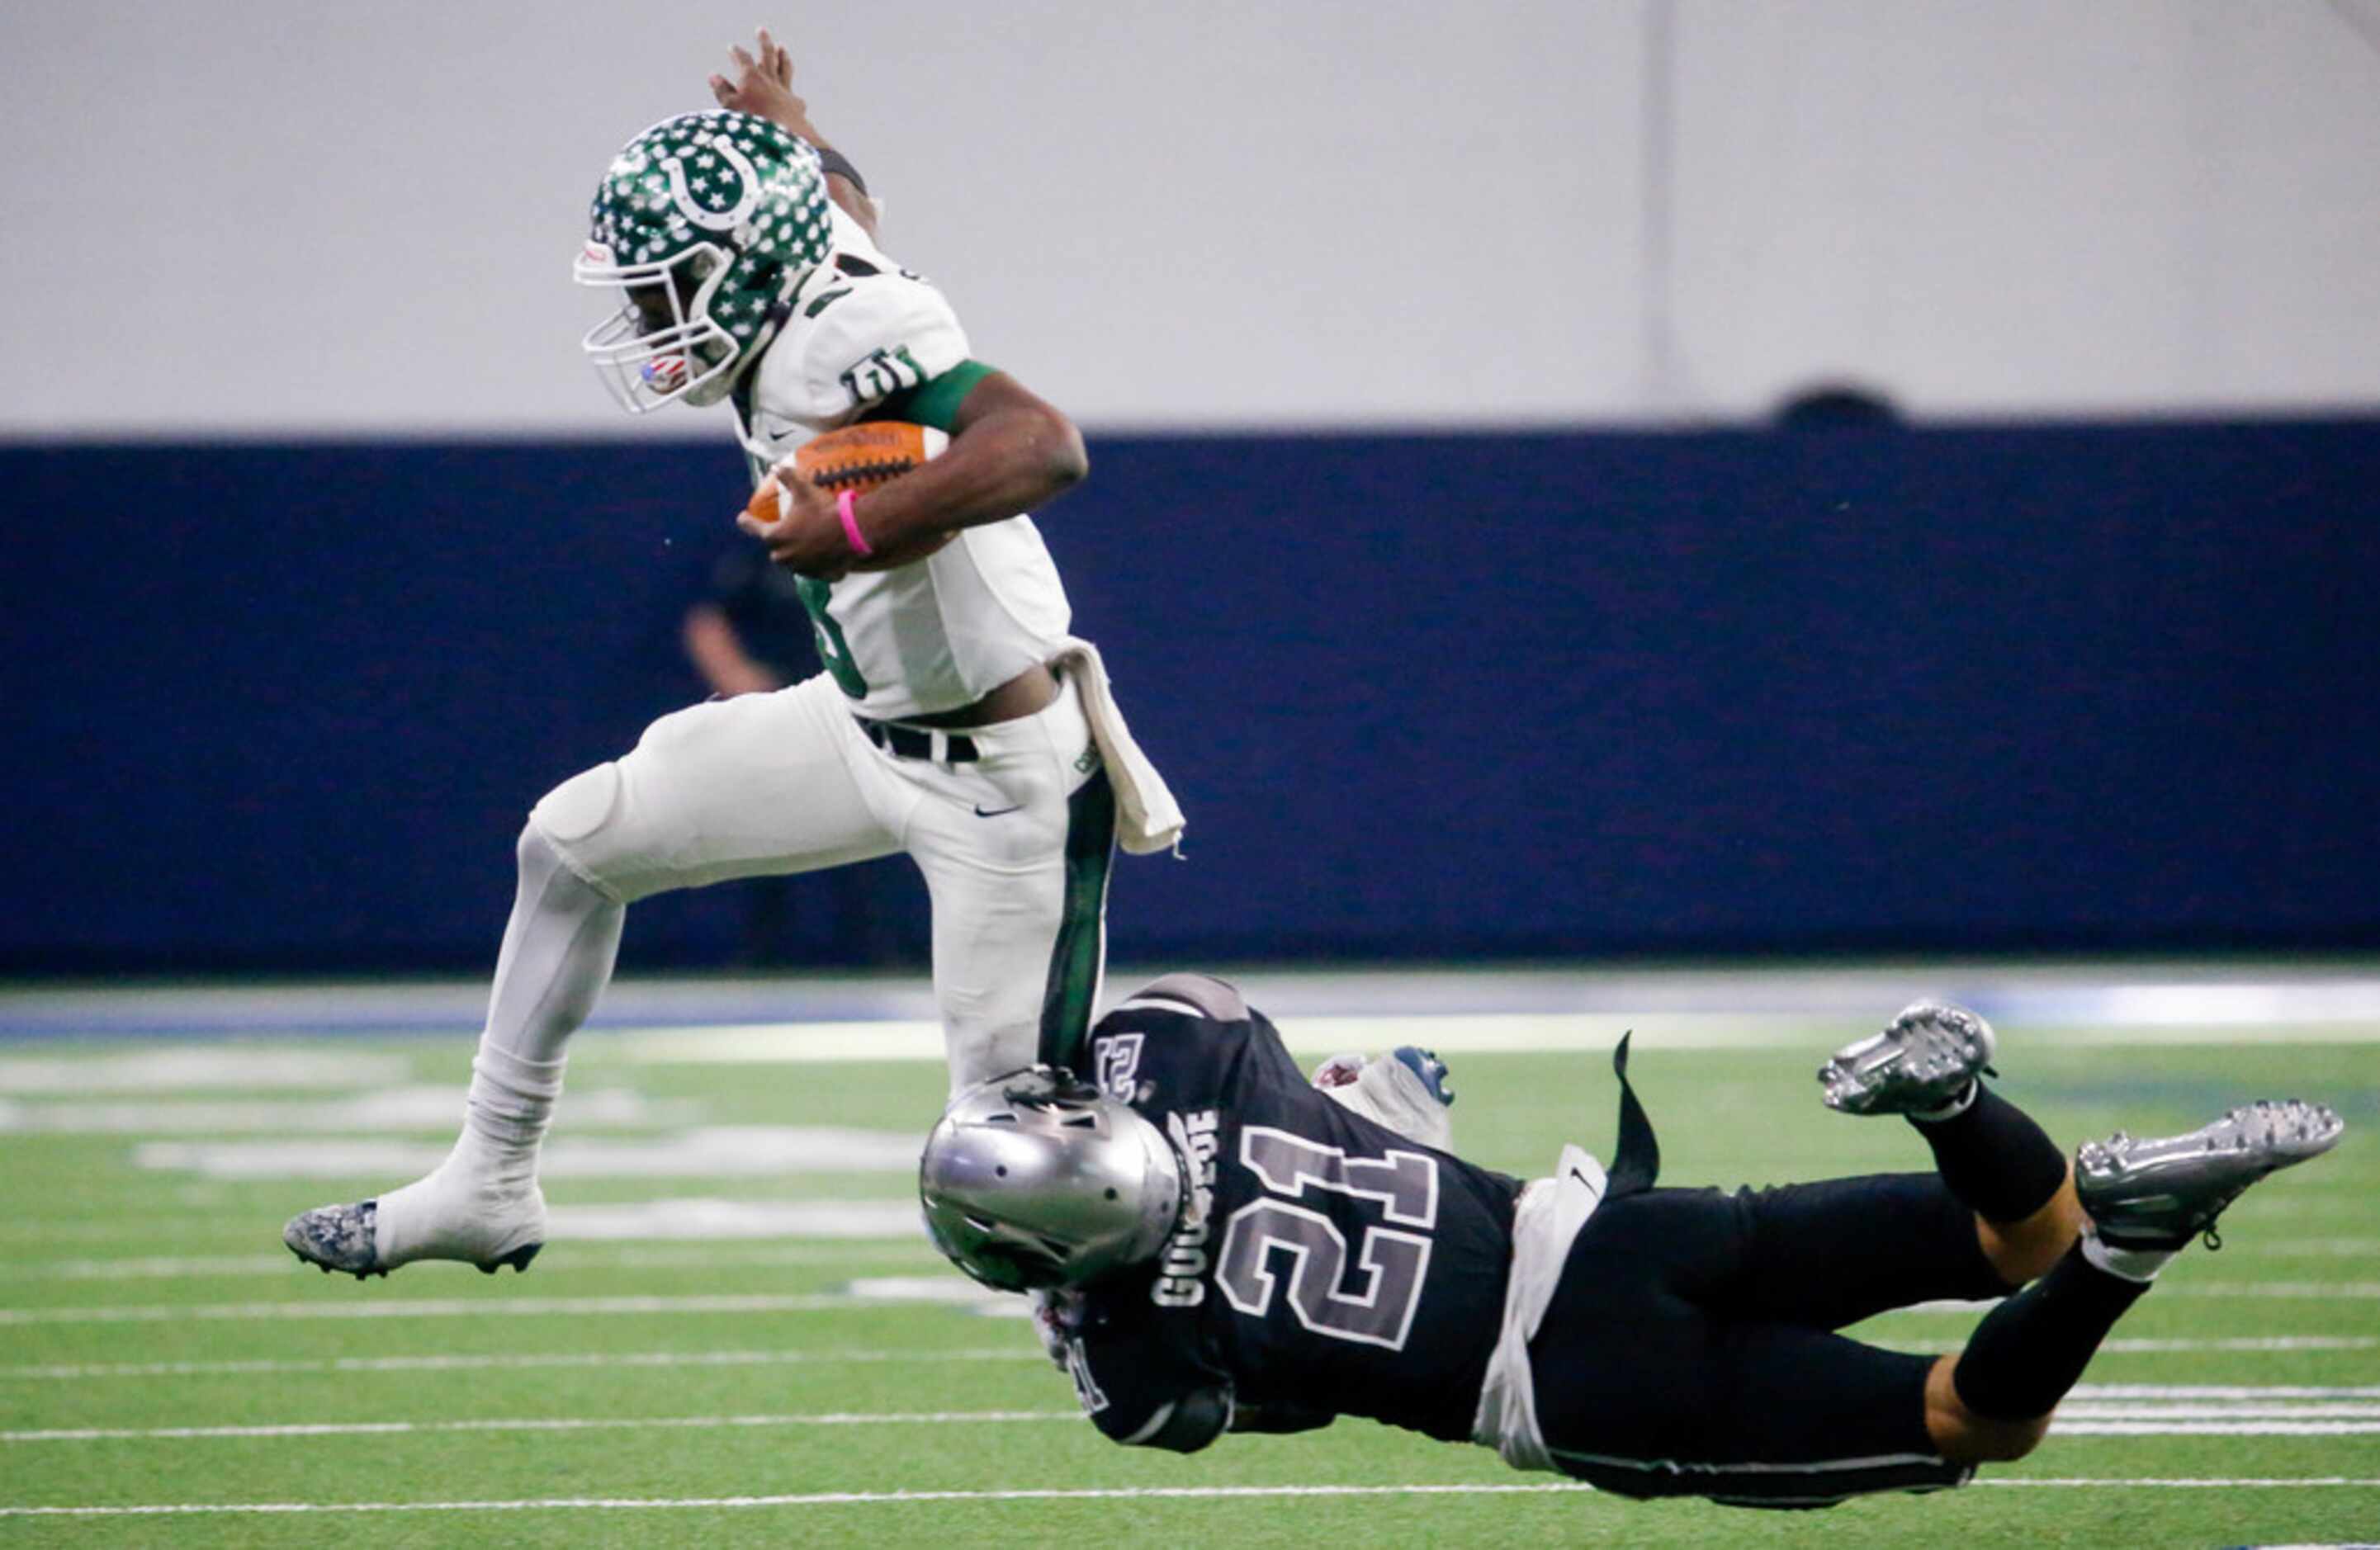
[1147,819]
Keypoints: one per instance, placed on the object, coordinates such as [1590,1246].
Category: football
[860,457]
[867,453]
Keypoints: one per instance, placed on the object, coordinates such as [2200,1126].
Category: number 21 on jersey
[1392,1260]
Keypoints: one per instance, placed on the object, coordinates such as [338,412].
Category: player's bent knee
[579,807]
[1963,1436]
[566,817]
[1977,1441]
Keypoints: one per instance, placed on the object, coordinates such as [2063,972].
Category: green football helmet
[706,222]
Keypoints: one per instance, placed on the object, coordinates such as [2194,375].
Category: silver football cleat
[2160,1194]
[1924,1058]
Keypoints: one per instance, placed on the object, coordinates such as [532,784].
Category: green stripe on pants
[1081,948]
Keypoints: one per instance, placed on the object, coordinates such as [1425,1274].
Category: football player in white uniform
[957,718]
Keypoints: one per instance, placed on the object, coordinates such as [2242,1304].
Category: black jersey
[1325,1266]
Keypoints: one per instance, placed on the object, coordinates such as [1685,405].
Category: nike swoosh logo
[996,812]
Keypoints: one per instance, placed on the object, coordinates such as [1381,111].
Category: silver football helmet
[1036,1179]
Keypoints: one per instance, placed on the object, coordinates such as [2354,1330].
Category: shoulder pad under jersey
[853,341]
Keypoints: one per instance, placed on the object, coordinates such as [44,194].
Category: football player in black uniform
[1223,1246]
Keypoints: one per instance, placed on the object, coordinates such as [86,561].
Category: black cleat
[518,1259]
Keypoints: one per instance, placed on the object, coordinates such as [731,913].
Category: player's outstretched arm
[763,86]
[1010,452]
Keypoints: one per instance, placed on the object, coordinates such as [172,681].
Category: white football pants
[1014,846]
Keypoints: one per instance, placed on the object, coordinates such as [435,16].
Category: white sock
[2131,1265]
[483,1200]
[559,947]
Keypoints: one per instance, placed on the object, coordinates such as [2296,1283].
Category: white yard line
[1452,1031]
[2243,1410]
[2219,1391]
[402,1109]
[828,1229]
[2316,1290]
[2144,1346]
[189,1225]
[2357,1290]
[164,1267]
[2181,1415]
[449,1307]
[705,1152]
[921,1356]
[2215,1428]
[2350,1482]
[206,1067]
[875,1291]
[1136,1493]
[534,1424]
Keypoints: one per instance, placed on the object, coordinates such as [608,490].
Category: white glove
[1406,1092]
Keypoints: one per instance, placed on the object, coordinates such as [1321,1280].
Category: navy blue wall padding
[2032,689]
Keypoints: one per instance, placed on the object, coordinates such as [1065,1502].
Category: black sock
[1999,1164]
[2031,1349]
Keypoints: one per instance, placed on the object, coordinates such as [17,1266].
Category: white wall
[266,216]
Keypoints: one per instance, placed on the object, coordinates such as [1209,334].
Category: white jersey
[942,633]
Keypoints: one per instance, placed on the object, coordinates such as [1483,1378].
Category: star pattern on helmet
[649,205]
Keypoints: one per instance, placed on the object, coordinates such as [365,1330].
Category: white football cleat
[447,1215]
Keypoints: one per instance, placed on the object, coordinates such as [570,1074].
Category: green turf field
[158,1350]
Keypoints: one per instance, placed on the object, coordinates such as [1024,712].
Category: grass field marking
[576,1257]
[701,1152]
[672,1219]
[683,1219]
[535,1423]
[37,1230]
[2215,1428]
[209,1067]
[78,1372]
[1521,1033]
[2152,1483]
[695,1253]
[2149,1345]
[2218,1391]
[451,1307]
[392,1109]
[2179,1409]
[2348,1291]
[2357,1290]
[2176,1345]
[1133,1492]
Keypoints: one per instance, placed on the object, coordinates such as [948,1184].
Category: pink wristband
[850,522]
